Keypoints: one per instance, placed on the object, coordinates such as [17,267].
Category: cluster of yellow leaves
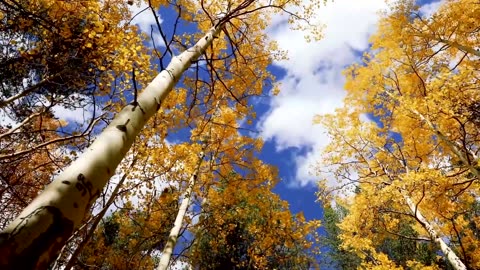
[24,176]
[128,237]
[88,42]
[420,83]
[244,224]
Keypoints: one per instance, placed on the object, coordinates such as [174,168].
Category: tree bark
[173,236]
[454,260]
[456,263]
[34,238]
[91,231]
[460,47]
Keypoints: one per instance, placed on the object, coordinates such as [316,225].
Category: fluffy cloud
[81,115]
[145,20]
[313,83]
[430,8]
[143,17]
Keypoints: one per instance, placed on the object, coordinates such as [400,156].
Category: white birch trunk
[465,49]
[452,145]
[177,225]
[91,230]
[455,149]
[33,240]
[456,263]
[460,47]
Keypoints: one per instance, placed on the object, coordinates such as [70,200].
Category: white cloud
[77,115]
[81,116]
[145,20]
[5,120]
[143,17]
[314,83]
[427,10]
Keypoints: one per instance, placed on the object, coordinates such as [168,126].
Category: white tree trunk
[462,48]
[177,225]
[93,227]
[456,149]
[456,263]
[451,256]
[33,240]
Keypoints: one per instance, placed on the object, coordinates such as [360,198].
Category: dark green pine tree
[333,256]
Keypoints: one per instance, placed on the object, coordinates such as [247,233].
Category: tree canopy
[133,145]
[404,148]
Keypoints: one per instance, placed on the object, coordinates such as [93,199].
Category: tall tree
[417,161]
[399,247]
[192,182]
[56,56]
[391,194]
[43,227]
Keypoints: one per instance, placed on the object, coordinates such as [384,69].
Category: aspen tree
[187,197]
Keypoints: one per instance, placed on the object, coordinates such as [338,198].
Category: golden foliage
[419,91]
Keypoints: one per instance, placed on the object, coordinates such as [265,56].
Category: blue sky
[311,83]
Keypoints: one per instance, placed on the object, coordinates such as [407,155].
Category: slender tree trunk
[456,263]
[452,145]
[91,231]
[460,47]
[173,236]
[454,44]
[174,232]
[455,149]
[29,90]
[454,260]
[33,240]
